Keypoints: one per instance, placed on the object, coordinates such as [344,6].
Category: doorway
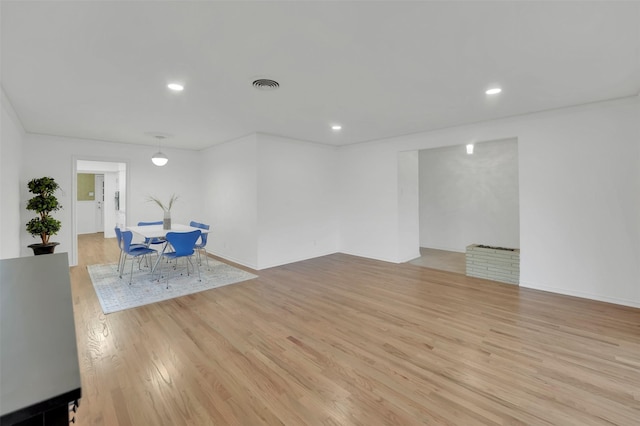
[89,202]
[99,198]
[466,198]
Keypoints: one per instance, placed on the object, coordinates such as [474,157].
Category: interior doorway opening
[467,197]
[99,198]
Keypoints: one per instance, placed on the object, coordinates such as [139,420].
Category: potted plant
[44,202]
[166,222]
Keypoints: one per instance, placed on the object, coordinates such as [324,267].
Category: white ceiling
[99,69]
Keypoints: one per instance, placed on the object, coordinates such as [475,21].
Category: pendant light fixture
[159,158]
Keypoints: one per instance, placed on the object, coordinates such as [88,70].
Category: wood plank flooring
[441,259]
[342,340]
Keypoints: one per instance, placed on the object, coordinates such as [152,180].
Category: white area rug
[115,293]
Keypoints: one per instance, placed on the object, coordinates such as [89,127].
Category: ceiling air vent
[265,84]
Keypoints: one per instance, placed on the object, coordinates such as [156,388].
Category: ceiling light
[159,158]
[265,84]
[493,91]
[336,127]
[175,87]
[470,148]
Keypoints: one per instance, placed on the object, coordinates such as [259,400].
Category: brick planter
[493,263]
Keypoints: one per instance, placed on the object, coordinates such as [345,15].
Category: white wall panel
[11,158]
[297,211]
[228,188]
[270,200]
[408,205]
[368,191]
[85,219]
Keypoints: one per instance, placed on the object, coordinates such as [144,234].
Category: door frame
[74,194]
[99,177]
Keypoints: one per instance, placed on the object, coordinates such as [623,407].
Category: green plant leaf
[43,203]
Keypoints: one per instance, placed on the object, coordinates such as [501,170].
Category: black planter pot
[40,248]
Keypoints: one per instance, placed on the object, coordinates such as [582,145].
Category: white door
[99,203]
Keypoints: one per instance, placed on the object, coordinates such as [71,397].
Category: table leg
[155,265]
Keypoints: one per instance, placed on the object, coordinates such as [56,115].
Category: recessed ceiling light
[493,91]
[336,127]
[175,87]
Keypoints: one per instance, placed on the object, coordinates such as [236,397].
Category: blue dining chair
[119,239]
[200,246]
[133,251]
[156,240]
[183,244]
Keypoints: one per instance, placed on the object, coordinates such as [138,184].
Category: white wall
[368,201]
[408,206]
[85,217]
[55,158]
[270,200]
[466,199]
[580,202]
[579,171]
[11,205]
[297,214]
[229,193]
[84,166]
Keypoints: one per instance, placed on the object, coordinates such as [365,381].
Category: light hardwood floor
[441,259]
[342,340]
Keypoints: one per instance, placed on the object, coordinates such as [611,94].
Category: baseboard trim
[294,260]
[580,294]
[369,257]
[410,258]
[231,259]
[444,248]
